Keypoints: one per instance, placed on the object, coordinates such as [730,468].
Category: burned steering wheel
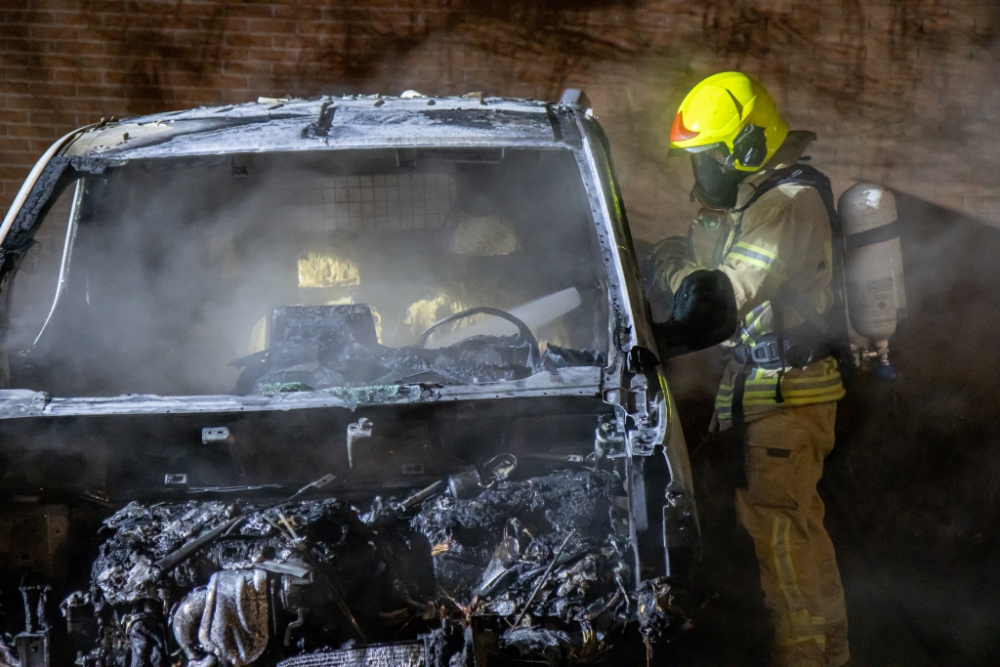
[523,331]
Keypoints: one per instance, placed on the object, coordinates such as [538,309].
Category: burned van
[343,381]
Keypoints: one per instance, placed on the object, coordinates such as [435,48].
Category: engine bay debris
[538,569]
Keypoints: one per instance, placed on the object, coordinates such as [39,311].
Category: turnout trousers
[783,513]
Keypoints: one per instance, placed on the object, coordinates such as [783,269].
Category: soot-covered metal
[320,347]
[463,363]
[537,569]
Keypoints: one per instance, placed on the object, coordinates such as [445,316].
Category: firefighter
[780,389]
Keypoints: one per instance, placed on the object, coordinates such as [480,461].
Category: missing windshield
[449,271]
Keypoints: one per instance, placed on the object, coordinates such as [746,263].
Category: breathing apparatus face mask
[716,177]
[715,184]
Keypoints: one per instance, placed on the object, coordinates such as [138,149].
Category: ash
[538,569]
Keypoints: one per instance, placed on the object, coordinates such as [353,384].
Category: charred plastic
[498,563]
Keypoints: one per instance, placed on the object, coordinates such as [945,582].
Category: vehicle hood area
[445,534]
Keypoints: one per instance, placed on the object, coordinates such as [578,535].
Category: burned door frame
[635,384]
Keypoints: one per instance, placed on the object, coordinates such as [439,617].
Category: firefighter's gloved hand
[703,314]
[669,256]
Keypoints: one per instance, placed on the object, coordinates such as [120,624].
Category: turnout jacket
[782,238]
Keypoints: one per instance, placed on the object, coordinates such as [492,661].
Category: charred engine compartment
[310,575]
[471,534]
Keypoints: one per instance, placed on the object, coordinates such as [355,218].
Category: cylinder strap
[873,236]
[739,434]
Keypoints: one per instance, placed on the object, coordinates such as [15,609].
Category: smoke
[178,263]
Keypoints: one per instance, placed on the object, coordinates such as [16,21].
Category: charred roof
[327,123]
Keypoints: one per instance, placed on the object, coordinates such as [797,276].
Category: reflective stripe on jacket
[782,237]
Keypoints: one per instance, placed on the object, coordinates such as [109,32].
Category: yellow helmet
[732,110]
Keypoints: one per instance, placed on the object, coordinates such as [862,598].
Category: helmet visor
[749,149]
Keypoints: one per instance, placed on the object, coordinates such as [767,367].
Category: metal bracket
[359,430]
[609,441]
[650,419]
[680,534]
[212,435]
[33,644]
[635,391]
[32,649]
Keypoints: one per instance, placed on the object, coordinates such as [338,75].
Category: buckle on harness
[764,352]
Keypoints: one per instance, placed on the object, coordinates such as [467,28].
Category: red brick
[10,188]
[53,5]
[324,27]
[96,90]
[15,101]
[57,117]
[237,96]
[78,75]
[230,81]
[248,40]
[241,67]
[69,28]
[229,54]
[44,91]
[13,157]
[40,145]
[65,61]
[270,26]
[68,62]
[80,47]
[271,55]
[297,13]
[19,17]
[197,9]
[251,11]
[15,144]
[27,74]
[290,42]
[30,130]
[113,21]
[14,173]
[98,107]
[12,117]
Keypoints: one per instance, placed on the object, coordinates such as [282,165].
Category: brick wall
[899,91]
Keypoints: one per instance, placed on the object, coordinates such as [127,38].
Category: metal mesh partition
[397,201]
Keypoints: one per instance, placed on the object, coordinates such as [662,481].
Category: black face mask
[715,174]
[715,184]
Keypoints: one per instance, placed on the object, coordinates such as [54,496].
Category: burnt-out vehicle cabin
[341,381]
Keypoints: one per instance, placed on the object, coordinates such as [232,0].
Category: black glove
[703,314]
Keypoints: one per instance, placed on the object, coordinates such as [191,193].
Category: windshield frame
[594,166]
[583,381]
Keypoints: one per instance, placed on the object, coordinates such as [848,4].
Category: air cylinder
[873,265]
